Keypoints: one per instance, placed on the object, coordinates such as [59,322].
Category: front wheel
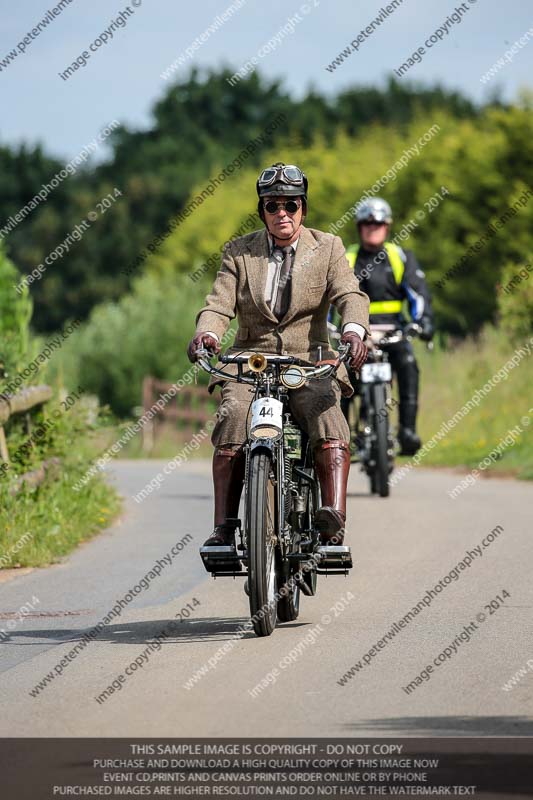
[262,539]
[380,478]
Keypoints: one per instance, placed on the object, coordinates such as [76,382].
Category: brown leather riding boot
[228,477]
[332,465]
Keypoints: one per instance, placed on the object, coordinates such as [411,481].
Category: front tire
[380,483]
[261,519]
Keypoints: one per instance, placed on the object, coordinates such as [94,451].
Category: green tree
[15,315]
[200,125]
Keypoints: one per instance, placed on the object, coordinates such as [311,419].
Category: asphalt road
[287,684]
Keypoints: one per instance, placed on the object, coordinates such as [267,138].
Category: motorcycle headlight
[265,432]
[293,377]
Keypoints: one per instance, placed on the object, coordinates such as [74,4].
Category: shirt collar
[271,244]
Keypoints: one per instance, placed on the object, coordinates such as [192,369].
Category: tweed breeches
[315,408]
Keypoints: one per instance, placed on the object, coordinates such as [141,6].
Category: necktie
[283,297]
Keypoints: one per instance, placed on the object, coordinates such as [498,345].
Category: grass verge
[42,524]
[449,378]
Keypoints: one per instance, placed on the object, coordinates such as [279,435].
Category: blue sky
[122,79]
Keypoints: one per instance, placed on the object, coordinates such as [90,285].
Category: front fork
[276,451]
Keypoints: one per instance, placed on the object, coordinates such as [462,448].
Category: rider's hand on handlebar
[202,341]
[358,349]
[426,329]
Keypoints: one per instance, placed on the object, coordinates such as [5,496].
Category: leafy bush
[515,300]
[50,518]
[146,332]
[40,524]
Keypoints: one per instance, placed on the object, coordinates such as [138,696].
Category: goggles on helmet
[287,174]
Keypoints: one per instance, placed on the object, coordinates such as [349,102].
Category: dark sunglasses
[290,206]
[377,222]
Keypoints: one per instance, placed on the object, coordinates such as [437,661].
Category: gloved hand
[426,334]
[358,349]
[202,340]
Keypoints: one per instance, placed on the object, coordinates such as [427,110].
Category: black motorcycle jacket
[390,276]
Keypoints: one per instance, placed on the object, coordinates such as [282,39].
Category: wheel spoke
[270,543]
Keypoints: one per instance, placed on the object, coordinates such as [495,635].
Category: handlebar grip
[204,352]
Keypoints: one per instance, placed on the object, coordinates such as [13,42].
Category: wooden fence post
[21,403]
[4,455]
[148,427]
[190,409]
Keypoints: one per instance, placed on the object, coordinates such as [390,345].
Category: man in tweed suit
[279,282]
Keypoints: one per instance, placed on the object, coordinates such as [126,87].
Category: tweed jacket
[320,276]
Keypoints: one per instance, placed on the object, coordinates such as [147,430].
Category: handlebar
[393,337]
[272,359]
[409,332]
[320,371]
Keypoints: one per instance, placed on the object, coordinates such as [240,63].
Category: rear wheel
[380,479]
[289,601]
[262,539]
[313,503]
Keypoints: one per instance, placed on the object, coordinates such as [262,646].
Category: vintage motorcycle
[372,441]
[278,548]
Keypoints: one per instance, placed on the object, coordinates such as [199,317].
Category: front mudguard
[264,444]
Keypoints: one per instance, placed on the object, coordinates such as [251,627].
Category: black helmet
[282,179]
[285,180]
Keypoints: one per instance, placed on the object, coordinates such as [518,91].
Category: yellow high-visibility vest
[398,268]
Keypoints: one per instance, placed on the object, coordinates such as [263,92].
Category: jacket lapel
[256,263]
[305,252]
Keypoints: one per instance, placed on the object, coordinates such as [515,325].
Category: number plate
[376,373]
[267,411]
